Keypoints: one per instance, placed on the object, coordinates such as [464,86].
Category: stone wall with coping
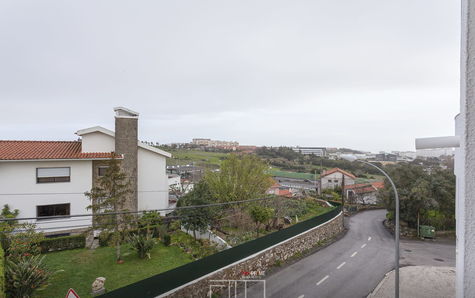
[266,259]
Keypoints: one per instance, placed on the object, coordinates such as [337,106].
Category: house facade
[49,178]
[365,194]
[336,178]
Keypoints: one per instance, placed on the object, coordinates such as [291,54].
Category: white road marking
[322,280]
[369,238]
[363,246]
[301,296]
[341,265]
[354,254]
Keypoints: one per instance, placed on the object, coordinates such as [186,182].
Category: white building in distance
[317,151]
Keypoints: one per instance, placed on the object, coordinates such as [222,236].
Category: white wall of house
[152,180]
[174,181]
[97,142]
[335,179]
[19,189]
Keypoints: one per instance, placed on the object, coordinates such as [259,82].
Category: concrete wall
[152,181]
[18,189]
[265,259]
[97,142]
[465,158]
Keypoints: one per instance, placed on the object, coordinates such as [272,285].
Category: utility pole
[316,186]
[342,191]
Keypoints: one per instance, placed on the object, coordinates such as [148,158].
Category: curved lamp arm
[396,232]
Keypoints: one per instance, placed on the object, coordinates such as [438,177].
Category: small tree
[240,178]
[109,195]
[196,219]
[260,215]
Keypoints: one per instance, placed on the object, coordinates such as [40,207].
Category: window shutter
[53,172]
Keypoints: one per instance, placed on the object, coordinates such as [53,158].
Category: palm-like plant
[142,244]
[25,275]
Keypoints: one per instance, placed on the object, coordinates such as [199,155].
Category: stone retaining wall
[266,259]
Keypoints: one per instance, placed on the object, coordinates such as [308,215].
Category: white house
[174,182]
[366,193]
[49,178]
[335,177]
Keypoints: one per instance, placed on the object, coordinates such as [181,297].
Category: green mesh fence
[169,280]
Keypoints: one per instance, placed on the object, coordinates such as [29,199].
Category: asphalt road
[354,265]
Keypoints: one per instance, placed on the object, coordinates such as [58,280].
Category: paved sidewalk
[418,282]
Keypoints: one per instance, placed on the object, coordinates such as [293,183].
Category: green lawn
[82,266]
[182,156]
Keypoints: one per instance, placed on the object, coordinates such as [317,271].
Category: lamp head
[349,157]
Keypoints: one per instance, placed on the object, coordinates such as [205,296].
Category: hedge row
[2,273]
[63,243]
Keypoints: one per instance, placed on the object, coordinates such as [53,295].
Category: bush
[167,239]
[63,243]
[2,273]
[24,275]
[24,243]
[142,244]
[174,226]
[104,238]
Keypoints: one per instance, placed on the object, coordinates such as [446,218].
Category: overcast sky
[364,74]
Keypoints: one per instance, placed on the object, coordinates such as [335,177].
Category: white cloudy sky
[365,74]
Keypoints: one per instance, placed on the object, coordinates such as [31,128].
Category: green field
[200,158]
[294,175]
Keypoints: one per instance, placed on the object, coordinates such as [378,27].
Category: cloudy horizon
[369,75]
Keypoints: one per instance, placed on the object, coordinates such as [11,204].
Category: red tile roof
[28,150]
[366,187]
[329,172]
[284,193]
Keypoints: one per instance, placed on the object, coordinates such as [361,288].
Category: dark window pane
[53,210]
[101,171]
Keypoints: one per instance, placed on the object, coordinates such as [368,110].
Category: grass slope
[82,266]
[181,157]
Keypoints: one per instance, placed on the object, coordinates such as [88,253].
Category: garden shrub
[24,243]
[167,239]
[142,244]
[104,238]
[175,225]
[24,275]
[63,243]
[2,273]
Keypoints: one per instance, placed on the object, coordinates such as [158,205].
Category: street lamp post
[396,232]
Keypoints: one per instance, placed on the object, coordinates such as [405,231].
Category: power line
[65,193]
[129,221]
[139,212]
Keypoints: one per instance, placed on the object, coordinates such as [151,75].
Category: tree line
[426,195]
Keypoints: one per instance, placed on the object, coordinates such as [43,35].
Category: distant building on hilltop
[386,157]
[229,145]
[317,151]
[435,152]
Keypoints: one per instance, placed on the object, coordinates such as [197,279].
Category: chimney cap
[121,112]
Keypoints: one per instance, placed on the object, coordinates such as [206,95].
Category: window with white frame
[50,175]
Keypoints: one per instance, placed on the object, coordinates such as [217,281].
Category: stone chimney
[126,139]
